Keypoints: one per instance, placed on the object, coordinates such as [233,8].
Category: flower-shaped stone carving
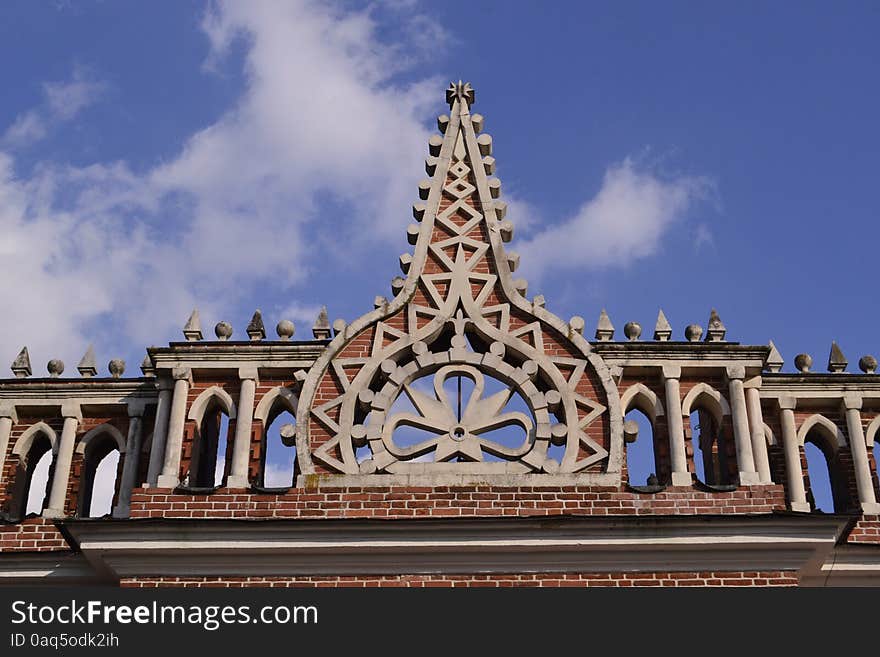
[459,431]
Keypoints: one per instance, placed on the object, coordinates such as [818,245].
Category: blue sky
[159,156]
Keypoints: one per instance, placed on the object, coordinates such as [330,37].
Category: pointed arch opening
[824,472]
[642,409]
[35,449]
[278,463]
[211,412]
[712,449]
[101,450]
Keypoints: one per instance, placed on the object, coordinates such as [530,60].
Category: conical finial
[88,366]
[716,330]
[192,331]
[836,360]
[460,90]
[256,330]
[147,366]
[321,329]
[662,329]
[21,366]
[774,361]
[604,329]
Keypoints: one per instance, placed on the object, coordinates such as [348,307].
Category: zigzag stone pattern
[460,315]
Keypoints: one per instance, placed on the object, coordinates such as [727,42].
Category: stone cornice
[93,391]
[688,354]
[233,355]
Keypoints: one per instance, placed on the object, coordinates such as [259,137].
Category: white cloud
[26,129]
[625,221]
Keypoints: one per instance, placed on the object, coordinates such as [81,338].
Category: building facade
[458,434]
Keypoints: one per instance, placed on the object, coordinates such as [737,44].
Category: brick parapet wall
[35,534]
[479,501]
[547,580]
[866,530]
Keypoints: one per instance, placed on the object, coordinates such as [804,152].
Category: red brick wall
[31,535]
[554,580]
[866,530]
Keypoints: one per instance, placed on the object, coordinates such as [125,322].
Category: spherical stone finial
[285,329]
[630,430]
[693,333]
[116,367]
[223,330]
[803,362]
[868,364]
[632,330]
[55,367]
[339,326]
[288,435]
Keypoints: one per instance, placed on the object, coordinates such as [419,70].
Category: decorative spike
[88,366]
[604,328]
[477,121]
[435,143]
[430,165]
[868,364]
[419,211]
[836,360]
[405,262]
[662,329]
[506,230]
[484,142]
[397,284]
[412,233]
[256,330]
[21,366]
[716,330]
[494,187]
[116,367]
[339,326]
[442,123]
[147,367]
[321,329]
[803,363]
[55,368]
[285,329]
[192,331]
[774,360]
[513,261]
[424,189]
[489,165]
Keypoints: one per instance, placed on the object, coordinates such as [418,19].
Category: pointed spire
[147,366]
[321,329]
[21,366]
[836,360]
[192,331]
[604,329]
[774,360]
[716,330]
[88,366]
[662,329]
[256,330]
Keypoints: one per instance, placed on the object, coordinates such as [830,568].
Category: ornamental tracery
[459,315]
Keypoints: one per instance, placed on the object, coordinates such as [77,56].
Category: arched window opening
[210,447]
[640,457]
[100,478]
[710,449]
[278,463]
[827,482]
[819,492]
[37,477]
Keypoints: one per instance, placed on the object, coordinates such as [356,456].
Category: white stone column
[677,453]
[793,472]
[756,423]
[170,476]
[7,419]
[133,445]
[58,493]
[744,458]
[238,474]
[160,432]
[852,404]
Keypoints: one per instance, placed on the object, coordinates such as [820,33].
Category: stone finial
[443,122]
[405,261]
[192,330]
[774,361]
[256,330]
[836,360]
[716,330]
[494,187]
[477,121]
[223,331]
[693,333]
[285,329]
[55,367]
[505,229]
[803,363]
[632,331]
[868,364]
[513,261]
[576,324]
[424,189]
[460,90]
[339,326]
[521,285]
[147,366]
[321,329]
[662,329]
[604,328]
[500,208]
[435,143]
[88,366]
[397,284]
[21,366]
[116,367]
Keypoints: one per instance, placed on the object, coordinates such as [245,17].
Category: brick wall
[31,535]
